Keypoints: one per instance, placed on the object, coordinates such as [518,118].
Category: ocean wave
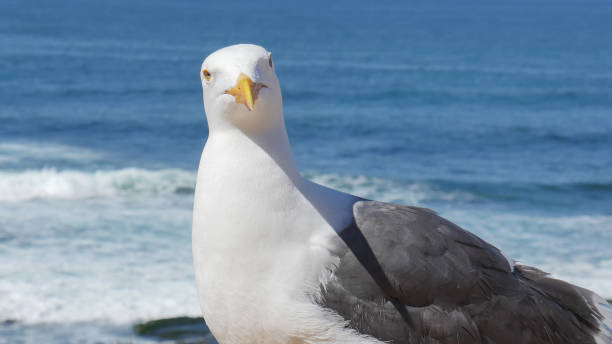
[508,97]
[72,184]
[392,191]
[18,152]
[601,136]
[144,274]
[435,191]
[141,251]
[53,183]
[444,68]
[579,186]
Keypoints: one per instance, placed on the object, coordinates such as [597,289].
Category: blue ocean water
[497,115]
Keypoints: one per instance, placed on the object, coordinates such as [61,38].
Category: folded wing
[410,276]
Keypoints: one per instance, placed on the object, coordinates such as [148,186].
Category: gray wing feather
[410,276]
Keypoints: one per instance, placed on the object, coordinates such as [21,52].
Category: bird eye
[206,74]
[270,60]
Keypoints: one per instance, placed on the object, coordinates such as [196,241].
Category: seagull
[281,259]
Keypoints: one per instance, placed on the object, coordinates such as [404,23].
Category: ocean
[498,115]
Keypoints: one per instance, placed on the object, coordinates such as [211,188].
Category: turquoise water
[499,116]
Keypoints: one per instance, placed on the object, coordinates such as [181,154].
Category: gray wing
[410,276]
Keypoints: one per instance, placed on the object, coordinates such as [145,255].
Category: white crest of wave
[388,190]
[72,184]
[15,152]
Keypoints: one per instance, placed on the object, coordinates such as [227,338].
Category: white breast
[260,247]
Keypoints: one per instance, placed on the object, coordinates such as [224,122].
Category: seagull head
[241,89]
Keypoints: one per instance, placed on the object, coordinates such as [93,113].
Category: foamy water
[51,184]
[114,246]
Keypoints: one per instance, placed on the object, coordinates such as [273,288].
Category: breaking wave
[72,184]
[390,190]
[55,184]
[23,152]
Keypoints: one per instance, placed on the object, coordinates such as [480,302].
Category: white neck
[275,143]
[271,143]
[247,172]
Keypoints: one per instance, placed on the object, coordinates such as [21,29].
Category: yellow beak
[245,91]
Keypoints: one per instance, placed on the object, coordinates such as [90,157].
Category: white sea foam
[17,152]
[101,259]
[52,183]
[390,191]
[72,184]
[100,256]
